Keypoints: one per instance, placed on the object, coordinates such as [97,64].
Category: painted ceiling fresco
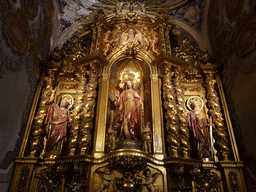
[71,14]
[57,20]
[190,13]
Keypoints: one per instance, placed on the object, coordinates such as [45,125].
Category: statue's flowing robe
[200,133]
[58,122]
[128,119]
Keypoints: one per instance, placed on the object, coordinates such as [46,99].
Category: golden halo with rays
[69,98]
[129,76]
[195,99]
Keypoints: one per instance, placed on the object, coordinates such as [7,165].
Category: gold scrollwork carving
[191,53]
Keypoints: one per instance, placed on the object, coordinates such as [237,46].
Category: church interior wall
[23,44]
[227,25]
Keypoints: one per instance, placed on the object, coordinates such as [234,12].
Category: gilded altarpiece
[119,108]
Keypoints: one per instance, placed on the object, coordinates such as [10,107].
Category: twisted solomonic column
[39,128]
[221,137]
[184,131]
[75,117]
[87,115]
[171,114]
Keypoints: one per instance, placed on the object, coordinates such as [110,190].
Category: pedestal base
[129,144]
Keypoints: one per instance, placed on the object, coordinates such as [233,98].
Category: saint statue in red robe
[57,121]
[197,123]
[127,121]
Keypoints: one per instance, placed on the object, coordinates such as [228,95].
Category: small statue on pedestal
[111,137]
[147,137]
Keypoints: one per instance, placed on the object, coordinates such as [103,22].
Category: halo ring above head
[70,100]
[129,76]
[195,99]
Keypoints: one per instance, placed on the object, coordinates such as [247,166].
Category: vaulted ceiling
[43,25]
[70,15]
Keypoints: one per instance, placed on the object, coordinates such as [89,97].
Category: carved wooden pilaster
[100,127]
[158,135]
[21,180]
[233,181]
[98,41]
[94,35]
[234,176]
[167,38]
[163,42]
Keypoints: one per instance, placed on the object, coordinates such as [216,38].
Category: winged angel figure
[148,179]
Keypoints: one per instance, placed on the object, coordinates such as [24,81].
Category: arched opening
[128,109]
